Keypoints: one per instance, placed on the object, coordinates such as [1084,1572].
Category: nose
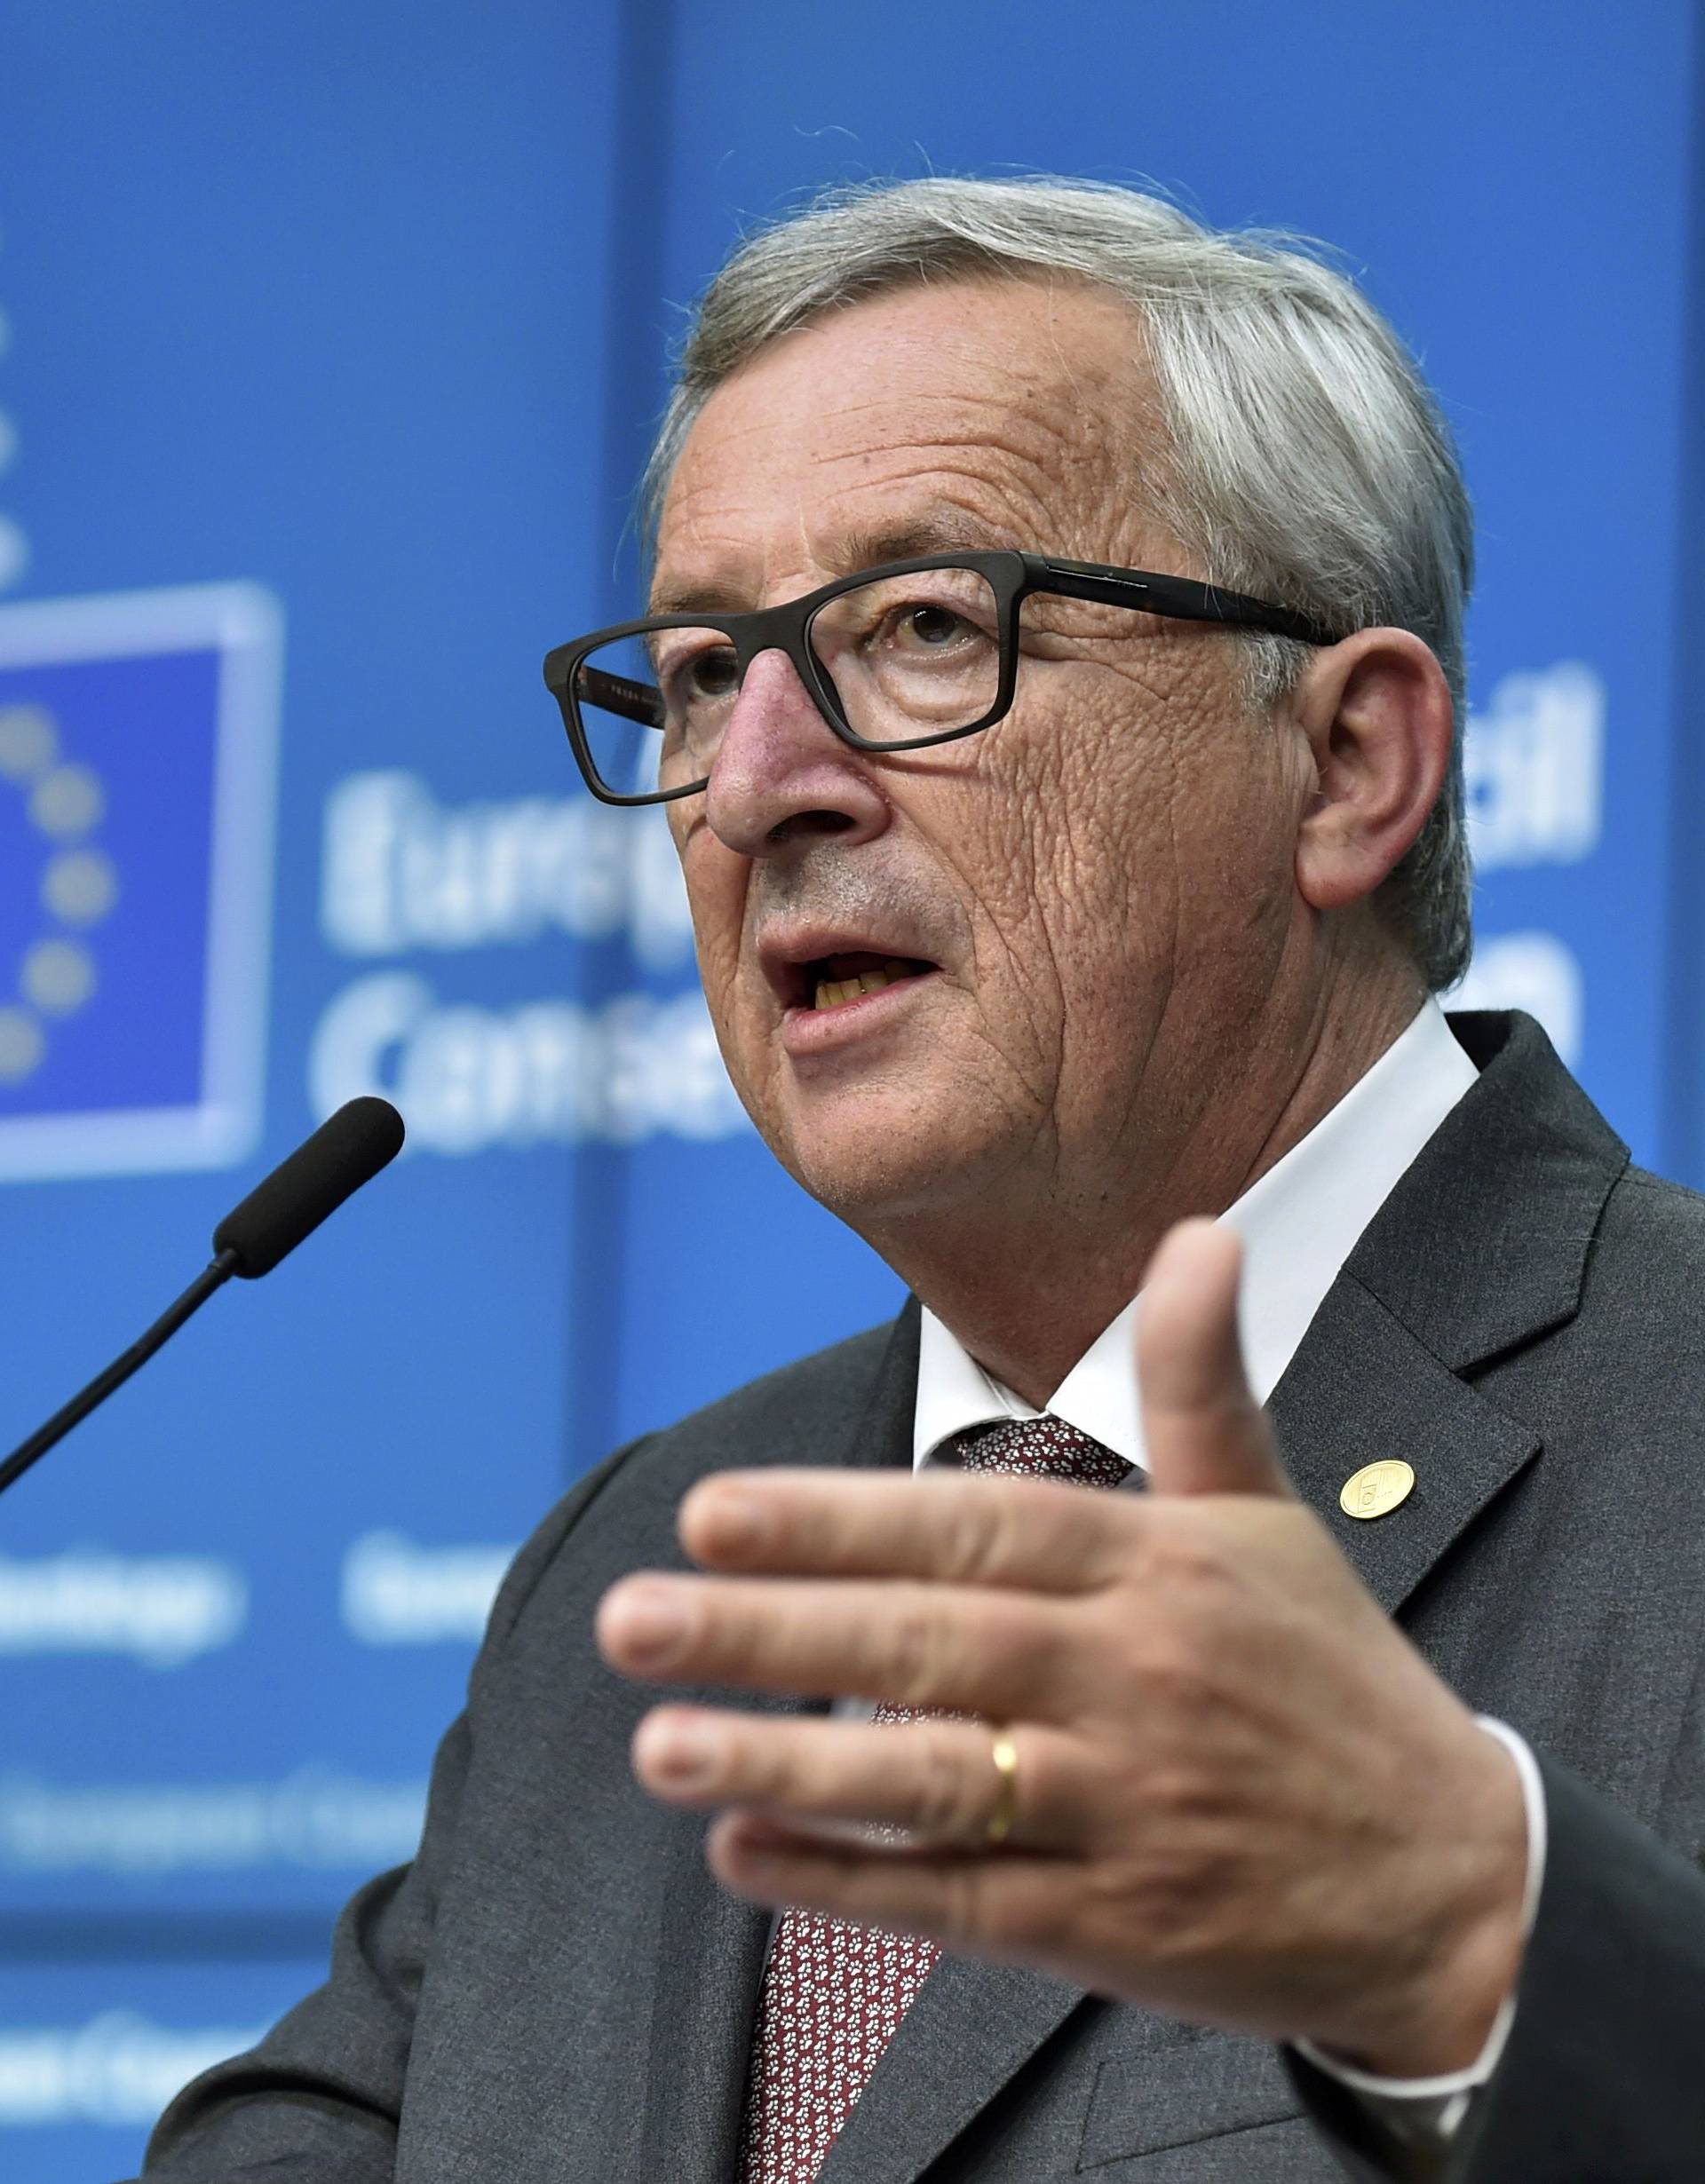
[782,777]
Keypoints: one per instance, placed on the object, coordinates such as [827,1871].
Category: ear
[1377,715]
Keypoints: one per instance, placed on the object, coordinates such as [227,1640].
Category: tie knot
[1042,1448]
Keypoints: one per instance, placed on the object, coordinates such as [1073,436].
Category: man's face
[1091,898]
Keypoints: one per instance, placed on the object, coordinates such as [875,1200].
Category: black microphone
[346,1152]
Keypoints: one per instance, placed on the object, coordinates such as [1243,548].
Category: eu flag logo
[137,763]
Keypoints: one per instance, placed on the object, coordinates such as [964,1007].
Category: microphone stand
[217,1272]
[347,1150]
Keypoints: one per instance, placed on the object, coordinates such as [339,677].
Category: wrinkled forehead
[985,413]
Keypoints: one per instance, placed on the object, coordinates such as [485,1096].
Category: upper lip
[785,956]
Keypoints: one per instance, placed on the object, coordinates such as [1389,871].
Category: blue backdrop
[330,337]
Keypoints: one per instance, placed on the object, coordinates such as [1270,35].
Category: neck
[1028,1276]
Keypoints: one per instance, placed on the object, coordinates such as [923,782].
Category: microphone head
[346,1151]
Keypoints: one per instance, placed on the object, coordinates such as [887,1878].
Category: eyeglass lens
[905,656]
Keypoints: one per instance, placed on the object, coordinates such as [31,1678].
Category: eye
[710,675]
[927,626]
[694,669]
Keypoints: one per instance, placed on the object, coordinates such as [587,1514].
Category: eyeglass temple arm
[616,693]
[1183,599]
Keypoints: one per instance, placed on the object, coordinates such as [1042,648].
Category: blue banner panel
[91,2053]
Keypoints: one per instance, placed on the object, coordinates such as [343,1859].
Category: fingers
[1204,1430]
[1034,1534]
[936,1780]
[913,1644]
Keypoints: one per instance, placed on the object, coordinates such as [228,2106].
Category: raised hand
[1236,1793]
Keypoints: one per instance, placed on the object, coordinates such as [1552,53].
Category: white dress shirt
[1299,1222]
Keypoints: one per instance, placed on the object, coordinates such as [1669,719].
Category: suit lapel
[1362,1387]
[1482,1247]
[702,2017]
[706,1990]
[972,2028]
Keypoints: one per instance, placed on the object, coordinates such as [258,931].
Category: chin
[872,1166]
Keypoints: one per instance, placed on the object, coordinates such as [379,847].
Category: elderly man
[1051,674]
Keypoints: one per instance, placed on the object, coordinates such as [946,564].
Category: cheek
[1238,830]
[716,890]
[1093,848]
[1146,826]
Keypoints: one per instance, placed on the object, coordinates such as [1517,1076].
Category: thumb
[1205,1432]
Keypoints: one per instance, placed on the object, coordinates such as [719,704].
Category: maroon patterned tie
[834,1993]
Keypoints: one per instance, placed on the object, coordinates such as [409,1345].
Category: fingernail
[758,1848]
[734,1520]
[680,1752]
[650,1621]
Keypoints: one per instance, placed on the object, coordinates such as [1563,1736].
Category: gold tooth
[873,981]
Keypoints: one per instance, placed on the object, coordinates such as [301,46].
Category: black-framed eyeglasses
[896,658]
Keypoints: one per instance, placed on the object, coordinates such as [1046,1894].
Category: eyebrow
[864,547]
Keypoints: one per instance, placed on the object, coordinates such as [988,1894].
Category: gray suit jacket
[556,1990]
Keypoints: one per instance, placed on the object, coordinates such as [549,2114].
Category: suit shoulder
[1651,1214]
[1638,1318]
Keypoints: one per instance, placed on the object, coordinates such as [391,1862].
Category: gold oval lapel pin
[1377,1489]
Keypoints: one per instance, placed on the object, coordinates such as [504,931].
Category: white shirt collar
[1299,1222]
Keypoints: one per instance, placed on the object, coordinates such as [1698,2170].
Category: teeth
[832,991]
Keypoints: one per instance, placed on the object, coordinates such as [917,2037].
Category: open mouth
[832,981]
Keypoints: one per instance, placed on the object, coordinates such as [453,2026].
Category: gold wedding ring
[1004,1753]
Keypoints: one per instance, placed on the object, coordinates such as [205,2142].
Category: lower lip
[807,1032]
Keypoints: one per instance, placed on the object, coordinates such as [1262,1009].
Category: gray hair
[1306,459]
